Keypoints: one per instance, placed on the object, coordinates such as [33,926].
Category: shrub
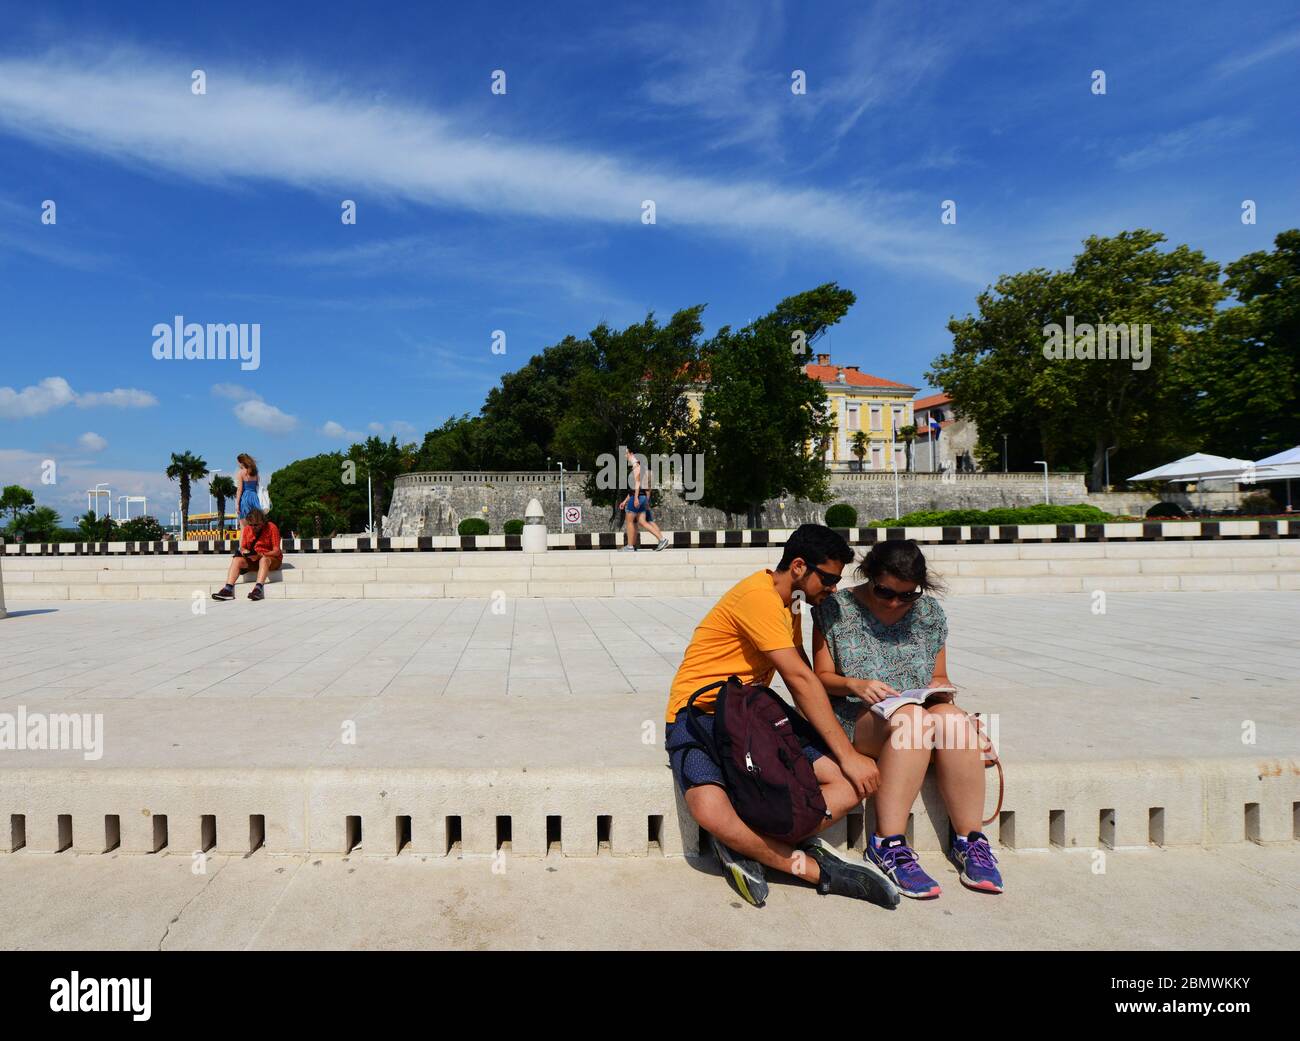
[1166,509]
[472,526]
[513,527]
[141,529]
[1259,503]
[841,515]
[1040,514]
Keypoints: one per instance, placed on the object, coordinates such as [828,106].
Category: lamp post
[1047,495]
[1004,453]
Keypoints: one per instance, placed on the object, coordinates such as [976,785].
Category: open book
[885,709]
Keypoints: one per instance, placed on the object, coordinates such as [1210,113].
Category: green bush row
[478,526]
[1040,514]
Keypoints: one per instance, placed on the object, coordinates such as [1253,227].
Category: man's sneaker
[974,860]
[663,544]
[860,881]
[224,593]
[257,593]
[745,876]
[898,860]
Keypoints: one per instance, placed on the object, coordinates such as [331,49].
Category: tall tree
[1078,410]
[322,486]
[186,467]
[762,416]
[222,489]
[15,498]
[381,461]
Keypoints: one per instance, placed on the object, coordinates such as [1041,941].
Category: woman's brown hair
[903,559]
[248,463]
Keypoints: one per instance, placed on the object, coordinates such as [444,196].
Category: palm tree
[185,468]
[221,488]
[907,435]
[859,443]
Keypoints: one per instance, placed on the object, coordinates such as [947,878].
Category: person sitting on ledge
[259,547]
[751,633]
[879,639]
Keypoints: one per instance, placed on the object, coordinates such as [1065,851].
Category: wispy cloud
[1243,60]
[1177,144]
[137,108]
[55,392]
[253,412]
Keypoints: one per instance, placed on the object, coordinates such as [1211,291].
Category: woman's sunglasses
[885,593]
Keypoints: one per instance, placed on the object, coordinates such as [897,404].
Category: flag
[934,427]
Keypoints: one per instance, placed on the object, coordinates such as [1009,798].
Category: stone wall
[435,503]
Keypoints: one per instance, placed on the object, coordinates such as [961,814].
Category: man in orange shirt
[259,547]
[751,633]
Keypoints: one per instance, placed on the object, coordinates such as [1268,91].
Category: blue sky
[522,211]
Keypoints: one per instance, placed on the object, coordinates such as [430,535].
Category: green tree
[37,525]
[762,415]
[94,528]
[452,446]
[15,498]
[222,489]
[632,394]
[860,444]
[330,481]
[142,529]
[907,435]
[186,468]
[1242,387]
[382,461]
[1076,411]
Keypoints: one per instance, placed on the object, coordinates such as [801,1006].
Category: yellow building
[857,401]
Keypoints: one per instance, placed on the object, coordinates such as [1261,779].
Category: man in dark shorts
[751,634]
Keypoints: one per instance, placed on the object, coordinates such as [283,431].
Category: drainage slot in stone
[655,833]
[1252,822]
[207,832]
[503,833]
[159,832]
[17,832]
[453,834]
[1007,828]
[855,824]
[352,834]
[1056,827]
[65,831]
[1156,825]
[112,832]
[403,833]
[256,832]
[604,825]
[553,841]
[1295,820]
[1106,828]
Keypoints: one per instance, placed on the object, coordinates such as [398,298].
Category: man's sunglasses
[829,579]
[885,593]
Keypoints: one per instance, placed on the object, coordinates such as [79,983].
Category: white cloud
[126,106]
[338,430]
[233,391]
[55,392]
[118,398]
[92,442]
[74,476]
[259,415]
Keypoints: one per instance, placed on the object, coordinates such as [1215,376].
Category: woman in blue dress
[246,485]
[878,639]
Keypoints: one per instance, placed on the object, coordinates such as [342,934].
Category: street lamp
[1047,495]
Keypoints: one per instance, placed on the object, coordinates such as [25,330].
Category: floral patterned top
[865,648]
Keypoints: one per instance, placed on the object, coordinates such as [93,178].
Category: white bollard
[534,537]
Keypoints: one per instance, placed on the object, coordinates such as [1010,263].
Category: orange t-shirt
[268,541]
[749,620]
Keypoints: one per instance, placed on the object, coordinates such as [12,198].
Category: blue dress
[248,500]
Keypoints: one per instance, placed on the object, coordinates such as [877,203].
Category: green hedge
[472,526]
[841,515]
[1041,514]
[513,527]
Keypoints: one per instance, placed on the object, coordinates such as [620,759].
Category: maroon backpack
[769,779]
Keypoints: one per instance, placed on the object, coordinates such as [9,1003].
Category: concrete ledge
[630,811]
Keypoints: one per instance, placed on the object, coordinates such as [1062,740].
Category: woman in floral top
[878,639]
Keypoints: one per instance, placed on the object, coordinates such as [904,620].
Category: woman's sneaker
[898,860]
[859,881]
[974,860]
[663,544]
[745,876]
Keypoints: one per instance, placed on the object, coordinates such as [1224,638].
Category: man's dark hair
[813,544]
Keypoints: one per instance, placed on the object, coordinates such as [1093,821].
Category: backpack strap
[701,741]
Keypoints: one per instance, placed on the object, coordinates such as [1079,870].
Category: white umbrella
[1194,467]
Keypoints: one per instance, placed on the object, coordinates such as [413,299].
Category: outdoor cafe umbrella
[1195,467]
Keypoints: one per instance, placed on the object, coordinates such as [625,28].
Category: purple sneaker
[974,860]
[897,859]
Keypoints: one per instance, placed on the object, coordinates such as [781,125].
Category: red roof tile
[931,401]
[830,374]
